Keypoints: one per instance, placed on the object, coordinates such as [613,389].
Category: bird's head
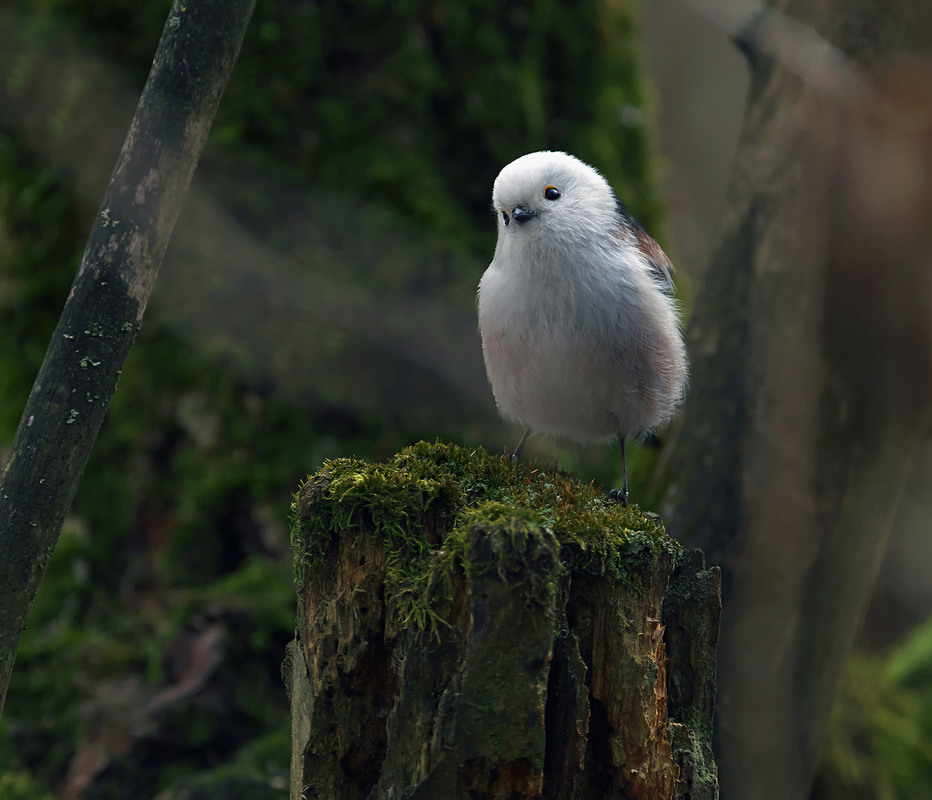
[549,202]
[552,192]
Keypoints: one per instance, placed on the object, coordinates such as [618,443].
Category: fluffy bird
[580,329]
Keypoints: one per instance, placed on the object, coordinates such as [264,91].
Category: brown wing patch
[661,268]
[660,265]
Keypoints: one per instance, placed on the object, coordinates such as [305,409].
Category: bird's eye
[505,217]
[552,193]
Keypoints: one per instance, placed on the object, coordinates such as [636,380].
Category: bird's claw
[617,496]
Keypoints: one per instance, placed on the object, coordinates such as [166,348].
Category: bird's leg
[620,495]
[516,455]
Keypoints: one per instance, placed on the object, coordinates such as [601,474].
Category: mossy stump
[473,628]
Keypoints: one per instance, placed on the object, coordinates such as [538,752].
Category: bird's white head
[554,209]
[553,192]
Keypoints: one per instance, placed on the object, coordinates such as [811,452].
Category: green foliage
[226,783]
[39,253]
[69,662]
[880,736]
[418,105]
[126,32]
[422,503]
[21,786]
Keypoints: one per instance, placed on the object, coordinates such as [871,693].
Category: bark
[105,306]
[811,350]
[541,677]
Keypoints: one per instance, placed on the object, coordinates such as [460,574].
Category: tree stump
[469,627]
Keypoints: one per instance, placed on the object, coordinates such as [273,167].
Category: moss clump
[422,503]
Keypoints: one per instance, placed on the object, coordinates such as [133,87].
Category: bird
[581,331]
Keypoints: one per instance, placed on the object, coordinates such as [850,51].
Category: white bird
[580,330]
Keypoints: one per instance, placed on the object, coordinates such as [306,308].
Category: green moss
[422,503]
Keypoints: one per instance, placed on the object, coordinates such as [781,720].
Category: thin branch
[102,315]
[758,30]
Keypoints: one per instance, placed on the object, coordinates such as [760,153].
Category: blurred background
[317,301]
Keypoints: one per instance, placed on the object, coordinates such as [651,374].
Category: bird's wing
[660,266]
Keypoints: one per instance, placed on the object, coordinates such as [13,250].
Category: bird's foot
[617,496]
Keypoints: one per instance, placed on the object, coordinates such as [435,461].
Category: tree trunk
[470,627]
[105,307]
[811,349]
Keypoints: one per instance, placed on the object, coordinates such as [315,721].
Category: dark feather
[661,268]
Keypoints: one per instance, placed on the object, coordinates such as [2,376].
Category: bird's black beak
[522,214]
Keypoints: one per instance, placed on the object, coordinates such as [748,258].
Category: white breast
[580,353]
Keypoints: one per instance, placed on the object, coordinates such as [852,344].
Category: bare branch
[66,407]
[758,29]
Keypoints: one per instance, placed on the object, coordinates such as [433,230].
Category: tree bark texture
[104,309]
[812,350]
[539,679]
